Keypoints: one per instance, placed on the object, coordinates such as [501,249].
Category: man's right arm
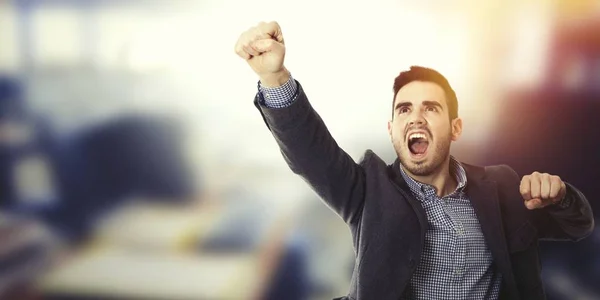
[304,140]
[309,149]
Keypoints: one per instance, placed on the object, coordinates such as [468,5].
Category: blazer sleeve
[574,222]
[311,152]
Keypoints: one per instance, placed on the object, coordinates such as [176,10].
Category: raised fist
[263,48]
[542,189]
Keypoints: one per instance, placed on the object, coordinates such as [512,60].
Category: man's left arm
[560,211]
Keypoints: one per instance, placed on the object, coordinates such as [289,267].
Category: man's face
[421,130]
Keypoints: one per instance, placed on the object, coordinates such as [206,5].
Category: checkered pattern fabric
[279,97]
[456,262]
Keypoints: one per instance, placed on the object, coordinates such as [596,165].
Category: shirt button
[458,272]
[268,95]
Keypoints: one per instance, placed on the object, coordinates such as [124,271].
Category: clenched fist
[263,48]
[542,189]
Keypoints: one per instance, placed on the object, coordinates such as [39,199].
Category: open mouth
[418,144]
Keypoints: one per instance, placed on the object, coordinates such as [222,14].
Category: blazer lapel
[484,198]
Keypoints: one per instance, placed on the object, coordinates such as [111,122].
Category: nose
[416,122]
[416,119]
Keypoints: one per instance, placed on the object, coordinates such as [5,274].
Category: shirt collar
[456,170]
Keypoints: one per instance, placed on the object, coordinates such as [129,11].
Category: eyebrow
[402,104]
[425,103]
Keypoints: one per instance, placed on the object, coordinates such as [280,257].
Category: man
[427,226]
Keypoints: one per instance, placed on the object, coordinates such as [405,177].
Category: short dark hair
[418,73]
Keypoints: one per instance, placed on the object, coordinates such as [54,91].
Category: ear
[456,128]
[390,123]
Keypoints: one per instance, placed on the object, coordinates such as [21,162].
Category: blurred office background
[133,164]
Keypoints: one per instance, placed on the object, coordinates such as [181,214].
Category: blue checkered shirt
[456,262]
[279,97]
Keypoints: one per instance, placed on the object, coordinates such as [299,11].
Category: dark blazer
[388,224]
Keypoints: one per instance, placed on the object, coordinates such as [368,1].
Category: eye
[431,108]
[403,110]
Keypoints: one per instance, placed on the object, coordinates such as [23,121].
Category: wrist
[276,79]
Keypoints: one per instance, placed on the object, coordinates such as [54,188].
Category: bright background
[85,64]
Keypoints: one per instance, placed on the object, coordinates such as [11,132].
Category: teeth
[417,136]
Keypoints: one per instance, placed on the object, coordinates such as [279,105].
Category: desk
[121,274]
[128,261]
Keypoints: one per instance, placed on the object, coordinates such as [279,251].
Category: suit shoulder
[370,159]
[501,173]
[493,172]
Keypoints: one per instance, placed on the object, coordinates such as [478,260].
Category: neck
[441,179]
